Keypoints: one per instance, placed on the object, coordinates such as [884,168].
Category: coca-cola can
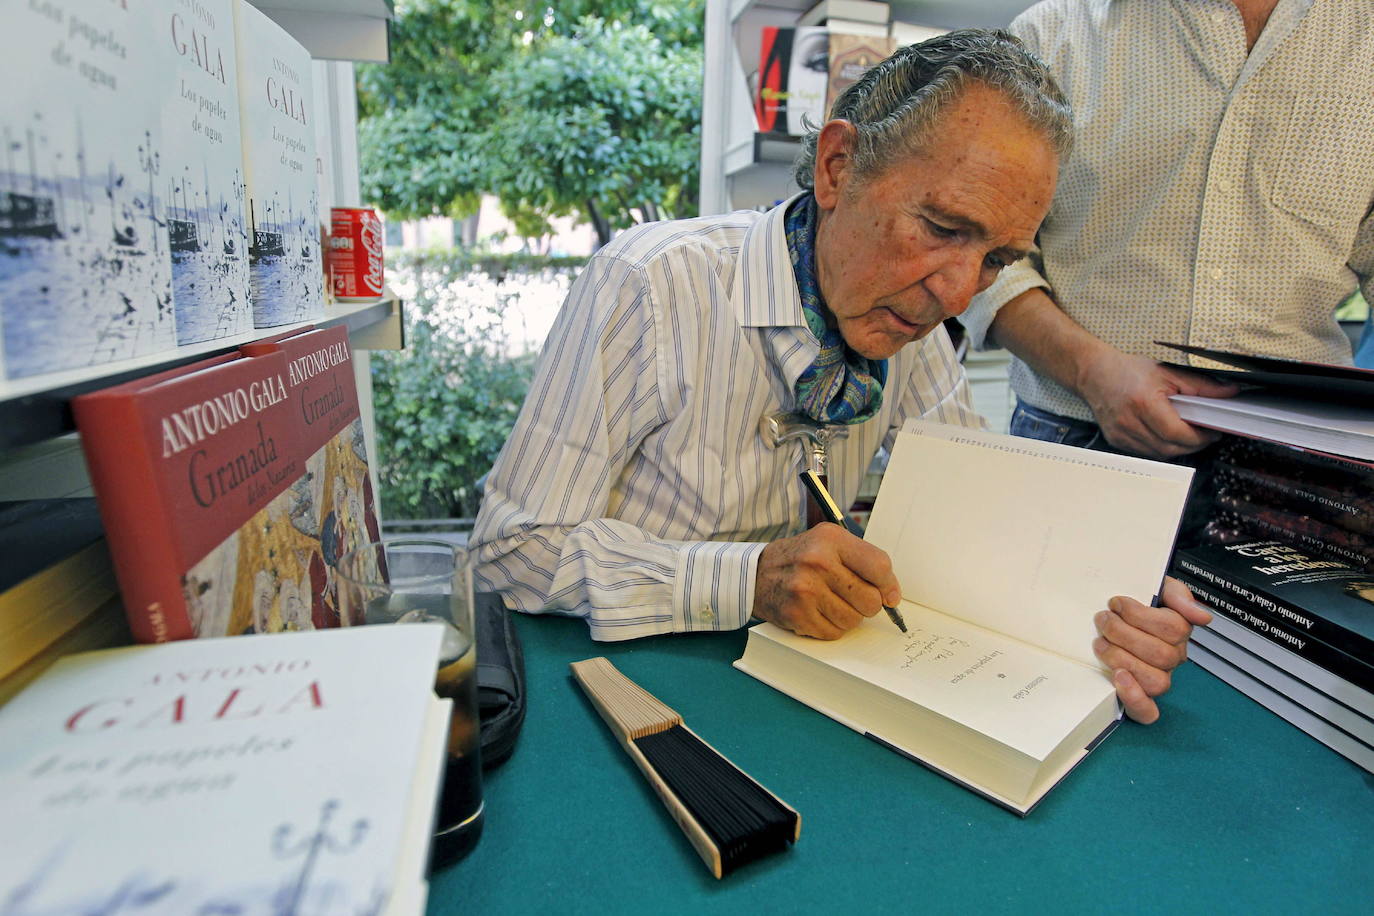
[355,254]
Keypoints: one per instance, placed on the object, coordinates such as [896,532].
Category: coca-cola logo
[370,234]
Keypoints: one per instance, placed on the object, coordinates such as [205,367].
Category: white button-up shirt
[636,490]
[1213,197]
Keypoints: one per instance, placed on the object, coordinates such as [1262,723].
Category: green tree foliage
[444,405]
[586,107]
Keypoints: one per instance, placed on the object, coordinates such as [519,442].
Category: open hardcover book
[1005,548]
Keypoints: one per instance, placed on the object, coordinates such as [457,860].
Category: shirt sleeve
[1014,280]
[546,537]
[1362,257]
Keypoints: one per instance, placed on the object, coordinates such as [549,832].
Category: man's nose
[957,281]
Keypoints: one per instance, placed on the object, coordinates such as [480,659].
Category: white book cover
[859,10]
[277,115]
[203,170]
[1047,518]
[324,140]
[1327,426]
[908,33]
[85,271]
[324,166]
[248,774]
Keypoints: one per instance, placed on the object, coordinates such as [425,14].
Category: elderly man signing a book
[636,490]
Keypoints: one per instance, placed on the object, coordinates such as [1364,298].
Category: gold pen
[833,514]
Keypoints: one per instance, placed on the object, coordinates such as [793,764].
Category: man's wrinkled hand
[1143,645]
[823,582]
[1129,397]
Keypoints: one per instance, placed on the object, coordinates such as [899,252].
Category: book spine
[1342,507]
[138,526]
[1278,611]
[1318,653]
[775,57]
[1265,522]
[1298,463]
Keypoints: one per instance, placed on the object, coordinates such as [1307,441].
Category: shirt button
[706,614]
[1226,184]
[1217,273]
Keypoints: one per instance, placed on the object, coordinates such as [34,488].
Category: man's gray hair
[897,102]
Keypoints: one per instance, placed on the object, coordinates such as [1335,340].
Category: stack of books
[1286,559]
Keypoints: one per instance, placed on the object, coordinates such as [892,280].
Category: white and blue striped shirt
[636,490]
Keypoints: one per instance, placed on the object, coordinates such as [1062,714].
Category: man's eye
[944,232]
[995,262]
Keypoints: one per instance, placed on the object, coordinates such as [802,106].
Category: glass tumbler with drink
[425,580]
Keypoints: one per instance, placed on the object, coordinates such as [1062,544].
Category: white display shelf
[39,408]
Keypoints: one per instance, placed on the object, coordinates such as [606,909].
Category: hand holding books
[1129,397]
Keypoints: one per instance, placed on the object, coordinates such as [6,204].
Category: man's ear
[834,160]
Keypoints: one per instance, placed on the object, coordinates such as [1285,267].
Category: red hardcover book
[333,500]
[192,470]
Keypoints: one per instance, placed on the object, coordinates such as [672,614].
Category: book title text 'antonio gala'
[278,688]
[192,424]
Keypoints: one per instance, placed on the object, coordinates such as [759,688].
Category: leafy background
[444,405]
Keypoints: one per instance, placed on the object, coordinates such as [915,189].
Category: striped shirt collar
[765,290]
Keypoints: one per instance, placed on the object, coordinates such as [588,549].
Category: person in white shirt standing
[1220,193]
[636,490]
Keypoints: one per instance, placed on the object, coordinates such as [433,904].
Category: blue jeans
[1033,423]
[1364,352]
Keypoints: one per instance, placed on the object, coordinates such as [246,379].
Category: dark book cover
[1341,507]
[1345,384]
[36,533]
[333,503]
[192,470]
[1333,660]
[1318,600]
[1299,464]
[1250,521]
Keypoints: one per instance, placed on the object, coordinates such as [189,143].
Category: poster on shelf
[792,79]
[277,118]
[851,56]
[203,170]
[85,265]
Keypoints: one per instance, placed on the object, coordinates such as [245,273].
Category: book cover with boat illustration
[276,101]
[85,267]
[204,189]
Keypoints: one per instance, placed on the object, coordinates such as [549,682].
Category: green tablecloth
[1221,806]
